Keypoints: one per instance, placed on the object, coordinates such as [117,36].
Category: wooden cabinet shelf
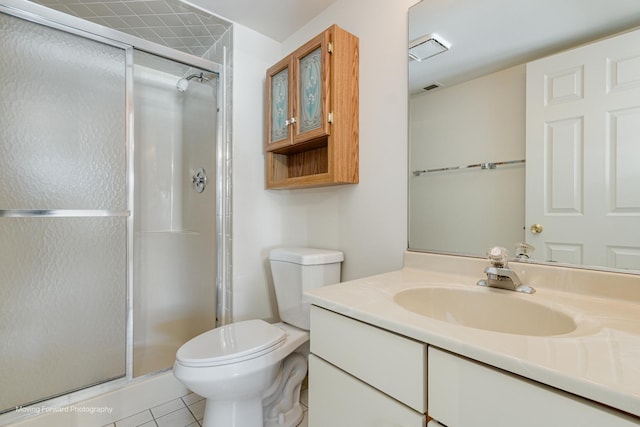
[312,114]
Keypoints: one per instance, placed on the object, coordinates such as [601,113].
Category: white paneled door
[583,154]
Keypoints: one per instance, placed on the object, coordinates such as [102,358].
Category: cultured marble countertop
[600,360]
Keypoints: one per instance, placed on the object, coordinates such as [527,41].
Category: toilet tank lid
[306,256]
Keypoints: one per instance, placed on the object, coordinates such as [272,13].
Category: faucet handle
[524,251]
[498,256]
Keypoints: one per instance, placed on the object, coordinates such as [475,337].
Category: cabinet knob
[292,120]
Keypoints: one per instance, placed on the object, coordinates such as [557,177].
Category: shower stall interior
[108,169]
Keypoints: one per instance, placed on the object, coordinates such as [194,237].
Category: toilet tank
[296,270]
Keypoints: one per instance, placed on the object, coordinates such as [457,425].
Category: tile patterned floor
[186,411]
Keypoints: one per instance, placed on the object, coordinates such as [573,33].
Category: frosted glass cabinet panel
[63,213]
[310,100]
[280,106]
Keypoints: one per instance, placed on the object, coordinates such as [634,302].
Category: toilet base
[233,413]
[291,418]
[282,402]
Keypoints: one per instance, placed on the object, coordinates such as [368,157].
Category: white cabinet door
[583,154]
[463,393]
[336,399]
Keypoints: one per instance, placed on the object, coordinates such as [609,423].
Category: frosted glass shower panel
[62,120]
[63,212]
[62,299]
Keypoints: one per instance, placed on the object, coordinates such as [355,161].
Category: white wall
[367,221]
[256,212]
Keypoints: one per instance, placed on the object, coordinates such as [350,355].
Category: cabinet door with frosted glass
[279,105]
[311,89]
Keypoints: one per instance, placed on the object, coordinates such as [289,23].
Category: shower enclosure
[107,206]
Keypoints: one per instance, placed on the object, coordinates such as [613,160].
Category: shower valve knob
[199,180]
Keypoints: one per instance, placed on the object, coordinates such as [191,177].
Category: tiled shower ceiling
[166,22]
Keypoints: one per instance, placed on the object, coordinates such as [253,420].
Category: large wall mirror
[524,127]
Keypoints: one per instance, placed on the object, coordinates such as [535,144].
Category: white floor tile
[168,407]
[179,418]
[187,411]
[197,409]
[135,420]
[191,398]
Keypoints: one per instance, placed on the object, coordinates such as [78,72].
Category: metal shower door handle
[199,180]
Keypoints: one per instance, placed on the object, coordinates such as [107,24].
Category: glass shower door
[174,270]
[63,213]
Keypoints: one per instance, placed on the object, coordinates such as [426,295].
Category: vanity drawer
[391,363]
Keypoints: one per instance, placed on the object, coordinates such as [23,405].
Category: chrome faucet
[500,276]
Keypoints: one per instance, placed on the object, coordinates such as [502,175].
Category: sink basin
[486,309]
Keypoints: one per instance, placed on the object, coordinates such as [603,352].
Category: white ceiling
[490,35]
[277,19]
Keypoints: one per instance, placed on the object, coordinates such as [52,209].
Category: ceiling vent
[432,86]
[427,46]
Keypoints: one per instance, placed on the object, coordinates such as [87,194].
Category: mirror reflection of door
[583,138]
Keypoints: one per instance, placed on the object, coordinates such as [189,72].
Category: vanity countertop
[600,360]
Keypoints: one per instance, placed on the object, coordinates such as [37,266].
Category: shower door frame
[70,24]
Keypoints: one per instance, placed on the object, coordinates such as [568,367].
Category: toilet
[250,372]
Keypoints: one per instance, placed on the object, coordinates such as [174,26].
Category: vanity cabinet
[361,376]
[312,114]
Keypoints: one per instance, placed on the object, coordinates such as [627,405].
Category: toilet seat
[231,344]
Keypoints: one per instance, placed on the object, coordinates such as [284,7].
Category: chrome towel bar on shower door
[59,213]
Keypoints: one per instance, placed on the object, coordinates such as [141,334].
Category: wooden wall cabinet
[312,114]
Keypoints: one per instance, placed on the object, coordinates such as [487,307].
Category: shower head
[183,83]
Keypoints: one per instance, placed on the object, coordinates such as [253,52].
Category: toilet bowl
[250,372]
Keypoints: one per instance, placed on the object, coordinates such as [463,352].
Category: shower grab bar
[485,165]
[60,213]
